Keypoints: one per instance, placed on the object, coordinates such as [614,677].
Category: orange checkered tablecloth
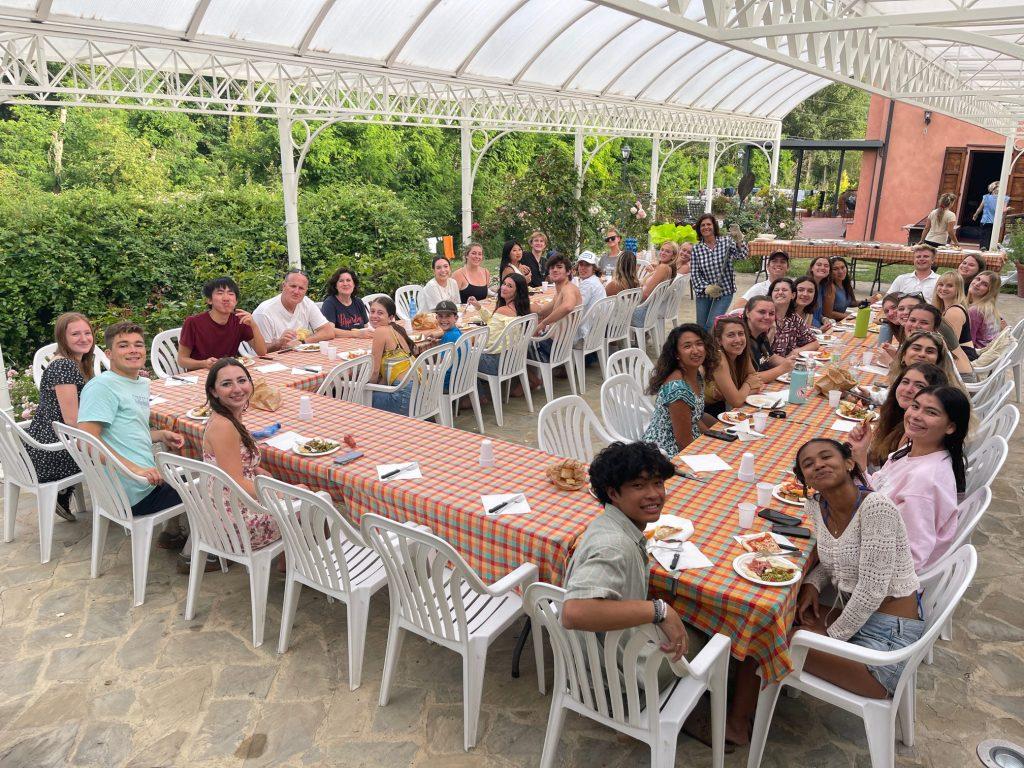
[447,498]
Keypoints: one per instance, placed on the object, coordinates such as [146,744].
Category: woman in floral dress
[678,384]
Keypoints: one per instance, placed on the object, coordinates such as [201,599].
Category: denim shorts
[883,632]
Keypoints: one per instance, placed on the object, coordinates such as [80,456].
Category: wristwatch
[660,610]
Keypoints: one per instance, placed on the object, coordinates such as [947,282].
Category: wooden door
[1015,190]
[952,175]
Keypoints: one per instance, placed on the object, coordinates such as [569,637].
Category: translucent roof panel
[263,21]
[367,30]
[173,15]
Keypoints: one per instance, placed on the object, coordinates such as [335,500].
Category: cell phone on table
[719,435]
[346,458]
[792,531]
[779,518]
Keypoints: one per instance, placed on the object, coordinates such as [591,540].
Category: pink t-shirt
[924,491]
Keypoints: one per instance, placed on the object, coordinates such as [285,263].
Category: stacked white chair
[596,322]
[626,409]
[213,503]
[434,593]
[427,378]
[603,684]
[405,298]
[942,594]
[653,323]
[619,323]
[1017,363]
[512,346]
[347,381]
[325,553]
[988,401]
[1002,422]
[985,462]
[567,427]
[633,361]
[103,473]
[20,475]
[462,380]
[163,354]
[562,335]
[44,355]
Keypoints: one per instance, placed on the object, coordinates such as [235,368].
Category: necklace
[825,510]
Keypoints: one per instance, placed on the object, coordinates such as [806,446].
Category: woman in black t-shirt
[343,307]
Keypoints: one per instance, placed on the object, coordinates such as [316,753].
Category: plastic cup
[324,346]
[746,512]
[867,358]
[760,419]
[764,494]
[332,353]
[834,396]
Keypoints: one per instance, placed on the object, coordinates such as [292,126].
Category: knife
[498,507]
[181,379]
[308,368]
[690,476]
[398,471]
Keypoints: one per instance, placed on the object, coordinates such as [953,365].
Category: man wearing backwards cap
[448,330]
[590,286]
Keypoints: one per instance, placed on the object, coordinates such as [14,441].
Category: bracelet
[660,610]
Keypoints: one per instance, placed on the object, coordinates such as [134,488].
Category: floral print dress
[262,528]
[659,431]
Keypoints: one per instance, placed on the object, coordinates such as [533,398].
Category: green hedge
[112,255]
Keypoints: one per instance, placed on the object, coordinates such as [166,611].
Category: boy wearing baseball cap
[447,320]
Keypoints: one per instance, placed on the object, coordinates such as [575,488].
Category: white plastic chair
[369,299]
[941,596]
[1017,365]
[984,464]
[567,427]
[213,503]
[653,323]
[348,381]
[427,378]
[404,299]
[626,409]
[670,309]
[633,361]
[324,552]
[20,475]
[596,322]
[618,324]
[996,369]
[104,473]
[512,345]
[435,594]
[563,336]
[163,354]
[1002,422]
[603,683]
[462,381]
[44,355]
[984,404]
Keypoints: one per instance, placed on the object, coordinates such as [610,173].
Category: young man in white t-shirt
[776,267]
[923,279]
[591,288]
[291,317]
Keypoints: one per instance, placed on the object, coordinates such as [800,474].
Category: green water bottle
[860,329]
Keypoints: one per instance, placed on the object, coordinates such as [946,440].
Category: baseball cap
[588,257]
[447,307]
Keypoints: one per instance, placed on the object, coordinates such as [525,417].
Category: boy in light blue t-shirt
[447,319]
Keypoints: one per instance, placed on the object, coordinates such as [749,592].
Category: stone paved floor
[86,680]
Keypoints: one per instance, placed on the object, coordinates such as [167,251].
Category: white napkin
[411,473]
[875,369]
[515,508]
[843,425]
[156,400]
[744,430]
[306,371]
[705,462]
[689,556]
[181,381]
[284,441]
[271,368]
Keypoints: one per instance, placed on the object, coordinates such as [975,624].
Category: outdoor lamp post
[627,155]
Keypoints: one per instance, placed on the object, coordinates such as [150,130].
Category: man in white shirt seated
[777,266]
[590,285]
[923,279]
[291,317]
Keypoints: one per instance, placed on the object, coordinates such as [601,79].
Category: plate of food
[766,570]
[855,412]
[763,543]
[784,378]
[248,360]
[352,354]
[307,348]
[316,446]
[200,413]
[669,528]
[765,400]
[874,328]
[733,417]
[792,491]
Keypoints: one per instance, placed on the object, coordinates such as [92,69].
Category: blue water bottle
[412,307]
[798,383]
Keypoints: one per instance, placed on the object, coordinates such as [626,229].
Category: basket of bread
[567,475]
[425,321]
[833,377]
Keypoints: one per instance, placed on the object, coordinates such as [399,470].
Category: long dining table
[447,497]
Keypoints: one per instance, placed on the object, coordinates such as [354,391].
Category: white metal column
[655,175]
[5,395]
[466,135]
[776,154]
[1004,178]
[577,161]
[289,189]
[712,150]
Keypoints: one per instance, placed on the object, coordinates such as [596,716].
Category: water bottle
[412,307]
[860,328]
[798,383]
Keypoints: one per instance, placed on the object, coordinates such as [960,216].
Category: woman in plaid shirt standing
[714,281]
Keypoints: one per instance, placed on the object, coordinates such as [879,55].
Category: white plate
[841,415]
[783,499]
[726,417]
[671,521]
[740,566]
[192,415]
[784,378]
[764,401]
[295,448]
[307,348]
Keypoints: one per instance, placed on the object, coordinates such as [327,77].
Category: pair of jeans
[709,309]
[882,632]
[394,402]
